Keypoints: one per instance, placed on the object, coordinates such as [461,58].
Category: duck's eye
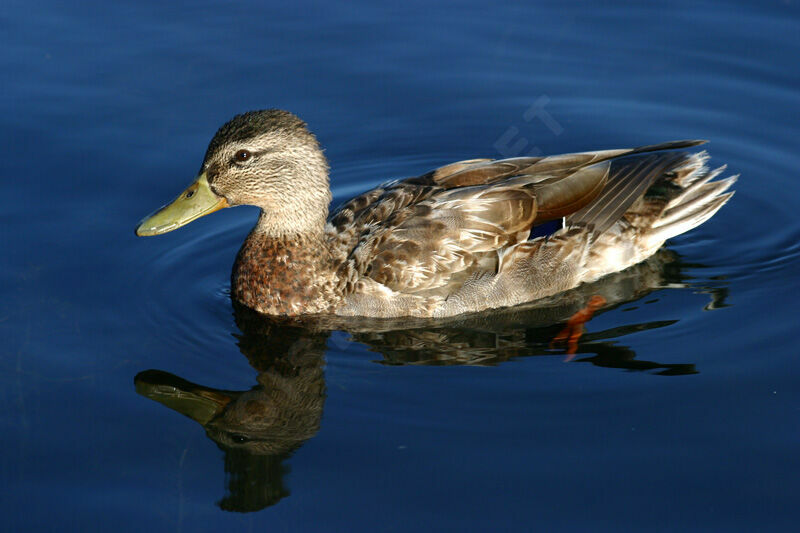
[242,155]
[239,439]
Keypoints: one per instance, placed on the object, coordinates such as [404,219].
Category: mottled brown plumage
[454,240]
[279,275]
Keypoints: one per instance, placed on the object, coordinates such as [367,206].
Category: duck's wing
[423,234]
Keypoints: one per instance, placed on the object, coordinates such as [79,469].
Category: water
[680,409]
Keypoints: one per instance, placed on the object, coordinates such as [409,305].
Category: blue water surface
[679,412]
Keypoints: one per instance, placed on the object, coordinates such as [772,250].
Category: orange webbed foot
[574,329]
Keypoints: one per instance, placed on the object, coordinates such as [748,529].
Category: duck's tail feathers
[699,200]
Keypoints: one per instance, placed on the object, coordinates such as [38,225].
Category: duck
[466,237]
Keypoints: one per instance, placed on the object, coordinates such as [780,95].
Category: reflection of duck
[258,429]
[261,427]
[453,241]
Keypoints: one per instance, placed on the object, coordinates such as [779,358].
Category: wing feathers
[434,231]
[628,182]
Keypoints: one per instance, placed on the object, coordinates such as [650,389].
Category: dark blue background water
[106,112]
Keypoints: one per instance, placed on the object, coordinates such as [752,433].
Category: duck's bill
[199,403]
[196,201]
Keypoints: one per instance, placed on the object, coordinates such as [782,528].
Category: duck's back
[451,240]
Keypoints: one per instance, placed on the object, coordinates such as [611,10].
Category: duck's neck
[282,273]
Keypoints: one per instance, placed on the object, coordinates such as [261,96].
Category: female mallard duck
[458,239]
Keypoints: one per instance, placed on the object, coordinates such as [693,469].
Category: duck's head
[265,158]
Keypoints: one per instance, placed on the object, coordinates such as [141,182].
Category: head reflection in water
[258,429]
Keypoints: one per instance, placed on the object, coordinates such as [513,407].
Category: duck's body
[452,241]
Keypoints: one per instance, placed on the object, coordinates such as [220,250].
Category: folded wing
[424,235]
